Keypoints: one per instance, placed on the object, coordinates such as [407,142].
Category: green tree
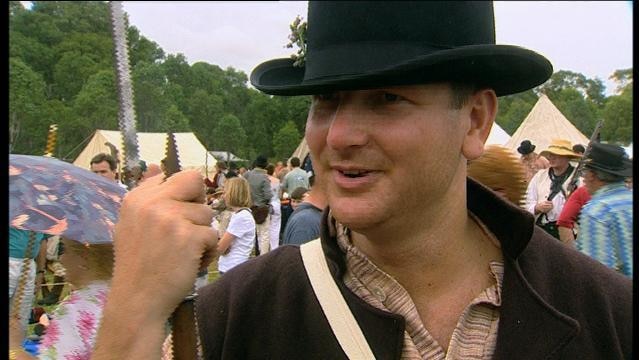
[175,121]
[231,136]
[617,115]
[623,78]
[27,131]
[285,141]
[151,103]
[590,89]
[203,111]
[513,109]
[96,107]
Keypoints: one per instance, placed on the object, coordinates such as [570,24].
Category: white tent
[152,149]
[225,156]
[543,124]
[497,136]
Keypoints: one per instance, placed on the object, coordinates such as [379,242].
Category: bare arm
[566,236]
[225,242]
[162,238]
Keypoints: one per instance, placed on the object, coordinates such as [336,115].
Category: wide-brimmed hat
[609,158]
[354,45]
[526,147]
[560,147]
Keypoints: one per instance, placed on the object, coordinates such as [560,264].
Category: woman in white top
[276,208]
[237,242]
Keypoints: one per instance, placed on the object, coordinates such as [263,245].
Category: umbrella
[57,198]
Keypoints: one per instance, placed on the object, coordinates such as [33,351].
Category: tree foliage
[62,71]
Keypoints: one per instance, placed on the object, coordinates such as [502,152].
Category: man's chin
[357,219]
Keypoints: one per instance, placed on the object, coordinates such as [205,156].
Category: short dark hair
[578,148]
[261,161]
[295,161]
[104,157]
[270,169]
[298,193]
[460,92]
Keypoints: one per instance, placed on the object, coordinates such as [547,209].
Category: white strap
[345,327]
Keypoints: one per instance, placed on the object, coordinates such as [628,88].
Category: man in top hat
[531,161]
[418,260]
[547,190]
[606,220]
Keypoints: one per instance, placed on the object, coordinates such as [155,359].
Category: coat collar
[529,324]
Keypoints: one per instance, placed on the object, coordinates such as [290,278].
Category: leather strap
[342,322]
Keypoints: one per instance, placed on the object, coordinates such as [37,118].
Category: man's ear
[483,110]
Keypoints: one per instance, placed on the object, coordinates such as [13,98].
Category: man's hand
[543,207]
[162,238]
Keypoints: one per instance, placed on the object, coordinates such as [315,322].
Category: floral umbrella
[57,198]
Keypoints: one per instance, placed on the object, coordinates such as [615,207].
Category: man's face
[386,153]
[103,169]
[558,161]
[591,182]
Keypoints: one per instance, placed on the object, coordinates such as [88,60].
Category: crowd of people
[410,242]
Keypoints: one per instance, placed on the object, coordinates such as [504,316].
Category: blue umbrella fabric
[57,198]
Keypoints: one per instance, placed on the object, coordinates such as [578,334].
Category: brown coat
[556,302]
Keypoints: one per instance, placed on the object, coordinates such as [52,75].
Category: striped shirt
[475,335]
[605,232]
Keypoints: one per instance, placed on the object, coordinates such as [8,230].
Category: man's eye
[391,97]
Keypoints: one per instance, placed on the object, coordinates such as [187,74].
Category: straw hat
[560,147]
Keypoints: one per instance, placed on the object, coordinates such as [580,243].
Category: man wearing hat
[531,161]
[606,220]
[547,190]
[412,261]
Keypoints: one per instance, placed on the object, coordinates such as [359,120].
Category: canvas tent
[497,136]
[543,124]
[152,149]
[225,156]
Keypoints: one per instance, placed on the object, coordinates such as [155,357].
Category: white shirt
[538,191]
[242,226]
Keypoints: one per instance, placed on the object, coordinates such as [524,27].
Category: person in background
[547,190]
[236,242]
[261,195]
[276,208]
[104,165]
[606,229]
[578,149]
[295,178]
[567,221]
[304,224]
[531,161]
[49,261]
[421,260]
[298,196]
[22,274]
[232,171]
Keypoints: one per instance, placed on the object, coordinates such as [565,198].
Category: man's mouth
[354,173]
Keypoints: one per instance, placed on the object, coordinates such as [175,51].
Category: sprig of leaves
[298,37]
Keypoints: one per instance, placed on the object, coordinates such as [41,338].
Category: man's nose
[347,127]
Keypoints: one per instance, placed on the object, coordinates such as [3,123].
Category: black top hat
[526,147]
[609,158]
[369,44]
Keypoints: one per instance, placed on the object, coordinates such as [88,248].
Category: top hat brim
[507,69]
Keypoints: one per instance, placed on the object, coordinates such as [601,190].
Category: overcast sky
[592,38]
